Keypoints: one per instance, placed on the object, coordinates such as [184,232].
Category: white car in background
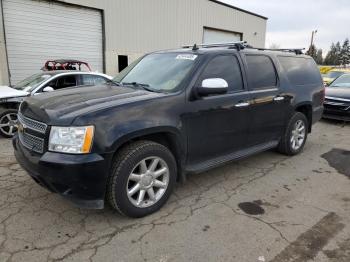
[49,81]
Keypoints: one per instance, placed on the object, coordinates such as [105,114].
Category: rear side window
[300,70]
[225,67]
[90,80]
[261,72]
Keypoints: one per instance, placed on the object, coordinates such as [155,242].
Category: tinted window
[66,81]
[225,67]
[300,70]
[261,72]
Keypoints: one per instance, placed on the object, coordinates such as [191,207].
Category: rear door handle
[242,104]
[278,98]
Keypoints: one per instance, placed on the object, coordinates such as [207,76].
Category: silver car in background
[12,96]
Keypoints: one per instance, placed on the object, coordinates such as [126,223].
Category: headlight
[73,140]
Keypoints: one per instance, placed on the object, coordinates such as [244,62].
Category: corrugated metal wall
[34,35]
[134,27]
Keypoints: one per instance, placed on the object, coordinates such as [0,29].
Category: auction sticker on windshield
[186,57]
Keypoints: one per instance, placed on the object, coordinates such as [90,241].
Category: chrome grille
[337,104]
[31,142]
[32,124]
[27,130]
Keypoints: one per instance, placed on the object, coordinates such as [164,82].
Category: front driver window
[66,81]
[53,84]
[226,67]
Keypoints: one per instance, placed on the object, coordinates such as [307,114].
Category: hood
[338,92]
[63,106]
[8,92]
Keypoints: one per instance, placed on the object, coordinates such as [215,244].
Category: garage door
[39,30]
[218,36]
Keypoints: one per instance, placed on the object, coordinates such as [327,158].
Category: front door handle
[242,104]
[278,98]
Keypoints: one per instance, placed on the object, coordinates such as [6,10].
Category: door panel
[217,127]
[268,109]
[218,124]
[268,104]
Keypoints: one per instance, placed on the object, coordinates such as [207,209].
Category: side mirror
[213,86]
[48,89]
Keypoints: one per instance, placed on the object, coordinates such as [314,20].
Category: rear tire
[8,117]
[294,138]
[142,179]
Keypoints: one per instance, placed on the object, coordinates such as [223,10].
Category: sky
[291,21]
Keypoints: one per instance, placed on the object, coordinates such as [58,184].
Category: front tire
[142,178]
[8,119]
[294,138]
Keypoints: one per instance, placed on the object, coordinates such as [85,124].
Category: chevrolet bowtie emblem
[21,127]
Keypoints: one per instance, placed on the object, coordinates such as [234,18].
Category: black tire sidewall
[122,173]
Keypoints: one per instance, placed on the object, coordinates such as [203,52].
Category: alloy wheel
[298,135]
[8,124]
[148,182]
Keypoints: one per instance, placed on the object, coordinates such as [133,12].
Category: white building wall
[135,27]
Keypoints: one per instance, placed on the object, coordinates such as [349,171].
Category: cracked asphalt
[305,203]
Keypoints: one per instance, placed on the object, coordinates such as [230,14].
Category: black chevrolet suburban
[168,114]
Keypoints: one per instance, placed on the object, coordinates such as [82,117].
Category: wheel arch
[169,137]
[306,109]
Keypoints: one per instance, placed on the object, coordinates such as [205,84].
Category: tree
[319,57]
[344,56]
[337,54]
[331,56]
[312,52]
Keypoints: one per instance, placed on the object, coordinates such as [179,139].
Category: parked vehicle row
[168,114]
[47,81]
[337,101]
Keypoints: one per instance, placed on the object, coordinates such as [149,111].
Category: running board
[218,161]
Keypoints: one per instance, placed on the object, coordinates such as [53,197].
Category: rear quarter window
[300,70]
[261,72]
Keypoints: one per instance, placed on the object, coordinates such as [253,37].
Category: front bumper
[336,116]
[337,112]
[80,178]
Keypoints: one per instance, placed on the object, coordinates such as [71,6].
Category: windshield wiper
[113,82]
[143,86]
[135,84]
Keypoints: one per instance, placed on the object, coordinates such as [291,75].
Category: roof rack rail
[239,45]
[297,51]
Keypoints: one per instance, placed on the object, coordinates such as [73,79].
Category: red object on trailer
[65,64]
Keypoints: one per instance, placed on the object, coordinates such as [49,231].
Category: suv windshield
[158,72]
[30,83]
[342,81]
